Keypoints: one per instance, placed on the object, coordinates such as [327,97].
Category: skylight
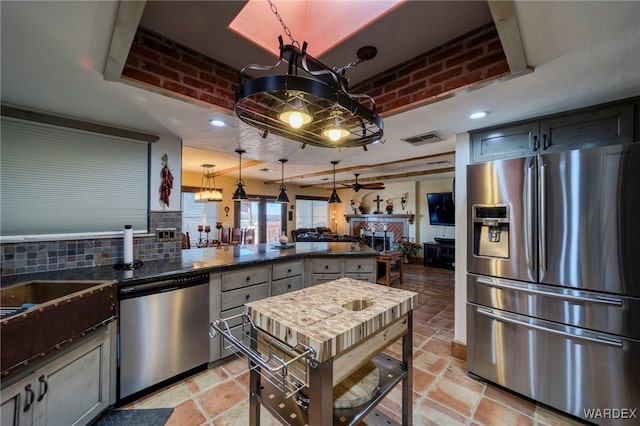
[322,24]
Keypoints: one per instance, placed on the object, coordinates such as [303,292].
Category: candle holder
[200,242]
[207,229]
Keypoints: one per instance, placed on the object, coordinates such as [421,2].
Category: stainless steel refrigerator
[553,284]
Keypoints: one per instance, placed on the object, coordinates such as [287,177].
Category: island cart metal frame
[298,390]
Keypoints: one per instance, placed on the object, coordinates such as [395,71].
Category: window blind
[57,180]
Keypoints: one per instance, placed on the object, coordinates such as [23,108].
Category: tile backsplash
[42,256]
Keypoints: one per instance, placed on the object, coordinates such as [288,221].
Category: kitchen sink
[37,318]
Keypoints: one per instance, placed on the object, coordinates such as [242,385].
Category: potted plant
[407,248]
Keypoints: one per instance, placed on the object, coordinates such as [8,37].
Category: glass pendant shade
[240,193]
[336,130]
[208,190]
[295,114]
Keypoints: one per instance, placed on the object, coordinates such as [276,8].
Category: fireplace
[396,225]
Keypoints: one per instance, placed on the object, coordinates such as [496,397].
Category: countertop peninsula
[202,260]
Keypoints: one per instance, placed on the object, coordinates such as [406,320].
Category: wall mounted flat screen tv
[441,208]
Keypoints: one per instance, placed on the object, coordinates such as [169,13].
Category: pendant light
[298,103]
[282,196]
[240,194]
[334,195]
[208,191]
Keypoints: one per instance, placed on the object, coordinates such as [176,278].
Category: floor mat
[148,417]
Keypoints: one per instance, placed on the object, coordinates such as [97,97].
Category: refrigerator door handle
[543,220]
[523,287]
[536,325]
[528,212]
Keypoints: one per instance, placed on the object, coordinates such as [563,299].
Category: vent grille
[425,138]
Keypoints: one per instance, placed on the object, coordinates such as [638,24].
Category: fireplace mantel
[379,217]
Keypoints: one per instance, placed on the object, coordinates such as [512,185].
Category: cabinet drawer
[362,277]
[234,312]
[227,349]
[285,270]
[238,297]
[243,278]
[358,266]
[323,278]
[327,266]
[286,285]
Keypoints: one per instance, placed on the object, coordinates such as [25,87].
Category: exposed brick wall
[470,59]
[159,62]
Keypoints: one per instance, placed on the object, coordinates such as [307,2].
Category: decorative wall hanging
[167,182]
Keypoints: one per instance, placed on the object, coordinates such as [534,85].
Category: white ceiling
[53,55]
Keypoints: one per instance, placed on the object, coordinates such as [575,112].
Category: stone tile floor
[443,393]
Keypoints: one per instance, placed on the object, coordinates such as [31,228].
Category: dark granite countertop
[201,260]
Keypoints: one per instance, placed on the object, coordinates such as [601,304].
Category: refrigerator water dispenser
[491,231]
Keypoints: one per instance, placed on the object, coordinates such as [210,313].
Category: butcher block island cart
[301,345]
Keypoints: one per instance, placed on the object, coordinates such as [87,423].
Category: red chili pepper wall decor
[167,181]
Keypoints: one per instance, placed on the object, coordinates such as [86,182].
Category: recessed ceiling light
[480,114]
[217,123]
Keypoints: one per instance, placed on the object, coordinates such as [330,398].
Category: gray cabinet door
[15,399]
[588,129]
[505,142]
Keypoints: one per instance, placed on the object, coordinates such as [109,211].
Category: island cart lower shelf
[302,344]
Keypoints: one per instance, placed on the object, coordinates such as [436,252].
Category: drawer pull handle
[248,296]
[31,396]
[326,266]
[43,381]
[288,271]
[288,285]
[359,266]
[248,278]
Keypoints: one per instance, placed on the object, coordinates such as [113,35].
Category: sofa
[320,234]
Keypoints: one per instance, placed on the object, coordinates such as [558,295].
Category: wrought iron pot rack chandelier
[316,109]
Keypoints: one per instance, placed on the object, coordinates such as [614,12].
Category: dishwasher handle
[162,286]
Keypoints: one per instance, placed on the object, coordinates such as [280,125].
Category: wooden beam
[356,168]
[127,20]
[506,21]
[234,169]
[390,177]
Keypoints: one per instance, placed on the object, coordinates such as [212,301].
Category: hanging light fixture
[334,195]
[298,107]
[240,193]
[208,190]
[282,196]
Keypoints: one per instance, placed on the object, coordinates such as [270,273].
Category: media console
[441,255]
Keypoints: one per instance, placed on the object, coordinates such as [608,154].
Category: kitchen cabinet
[229,291]
[323,270]
[439,255]
[286,277]
[585,128]
[72,388]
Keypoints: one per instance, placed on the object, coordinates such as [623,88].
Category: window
[264,216]
[194,214]
[312,212]
[59,182]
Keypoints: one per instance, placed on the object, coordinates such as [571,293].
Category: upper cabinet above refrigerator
[586,128]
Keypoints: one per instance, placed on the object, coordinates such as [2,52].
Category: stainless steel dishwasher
[164,331]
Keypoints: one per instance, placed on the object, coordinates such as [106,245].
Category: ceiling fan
[358,186]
